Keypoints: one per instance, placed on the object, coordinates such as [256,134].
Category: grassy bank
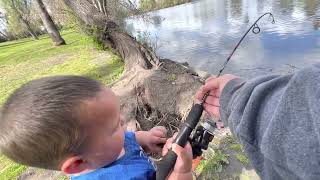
[225,159]
[24,60]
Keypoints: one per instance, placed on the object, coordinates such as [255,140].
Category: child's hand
[183,166]
[153,140]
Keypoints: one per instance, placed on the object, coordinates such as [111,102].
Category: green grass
[21,61]
[9,169]
[242,158]
[236,147]
[213,165]
[63,178]
[26,59]
[172,77]
[218,157]
[232,144]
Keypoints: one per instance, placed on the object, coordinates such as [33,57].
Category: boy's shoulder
[135,164]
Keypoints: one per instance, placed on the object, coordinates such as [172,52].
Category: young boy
[72,124]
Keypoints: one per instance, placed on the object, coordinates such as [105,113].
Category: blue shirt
[134,164]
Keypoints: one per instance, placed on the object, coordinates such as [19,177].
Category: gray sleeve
[277,120]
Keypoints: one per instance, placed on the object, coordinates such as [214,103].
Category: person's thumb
[177,149]
[184,159]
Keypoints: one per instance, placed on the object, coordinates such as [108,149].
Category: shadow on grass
[20,42]
[107,73]
[27,40]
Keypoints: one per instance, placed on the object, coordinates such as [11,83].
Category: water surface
[204,32]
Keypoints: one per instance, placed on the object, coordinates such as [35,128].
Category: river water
[203,33]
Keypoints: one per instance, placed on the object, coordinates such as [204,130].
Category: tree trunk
[49,24]
[152,91]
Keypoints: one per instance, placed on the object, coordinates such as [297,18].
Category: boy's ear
[74,165]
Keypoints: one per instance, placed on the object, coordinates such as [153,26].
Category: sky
[1,25]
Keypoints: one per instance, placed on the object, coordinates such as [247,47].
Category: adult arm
[277,120]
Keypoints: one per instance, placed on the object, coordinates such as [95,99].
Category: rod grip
[166,164]
[169,160]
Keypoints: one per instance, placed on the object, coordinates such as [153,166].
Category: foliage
[219,153]
[21,62]
[213,165]
[242,158]
[172,77]
[62,15]
[236,147]
[63,178]
[9,169]
[16,11]
[233,145]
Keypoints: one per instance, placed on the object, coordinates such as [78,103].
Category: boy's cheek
[112,148]
[119,141]
[113,151]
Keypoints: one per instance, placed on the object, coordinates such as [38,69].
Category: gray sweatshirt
[277,120]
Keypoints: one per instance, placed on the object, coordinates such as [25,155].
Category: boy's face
[105,135]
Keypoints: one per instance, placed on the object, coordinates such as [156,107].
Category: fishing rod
[204,134]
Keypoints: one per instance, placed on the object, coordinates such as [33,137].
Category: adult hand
[183,166]
[214,85]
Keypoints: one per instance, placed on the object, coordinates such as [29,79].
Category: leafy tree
[19,14]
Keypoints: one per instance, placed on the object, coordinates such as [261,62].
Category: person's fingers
[182,152]
[199,94]
[215,93]
[159,133]
[184,159]
[214,101]
[188,148]
[210,85]
[218,83]
[212,110]
[158,140]
[177,149]
[161,129]
[167,146]
[164,150]
[174,135]
[170,140]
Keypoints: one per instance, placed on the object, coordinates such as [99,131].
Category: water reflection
[204,32]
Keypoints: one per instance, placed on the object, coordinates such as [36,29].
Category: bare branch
[87,12]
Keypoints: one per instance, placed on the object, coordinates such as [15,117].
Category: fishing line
[255,29]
